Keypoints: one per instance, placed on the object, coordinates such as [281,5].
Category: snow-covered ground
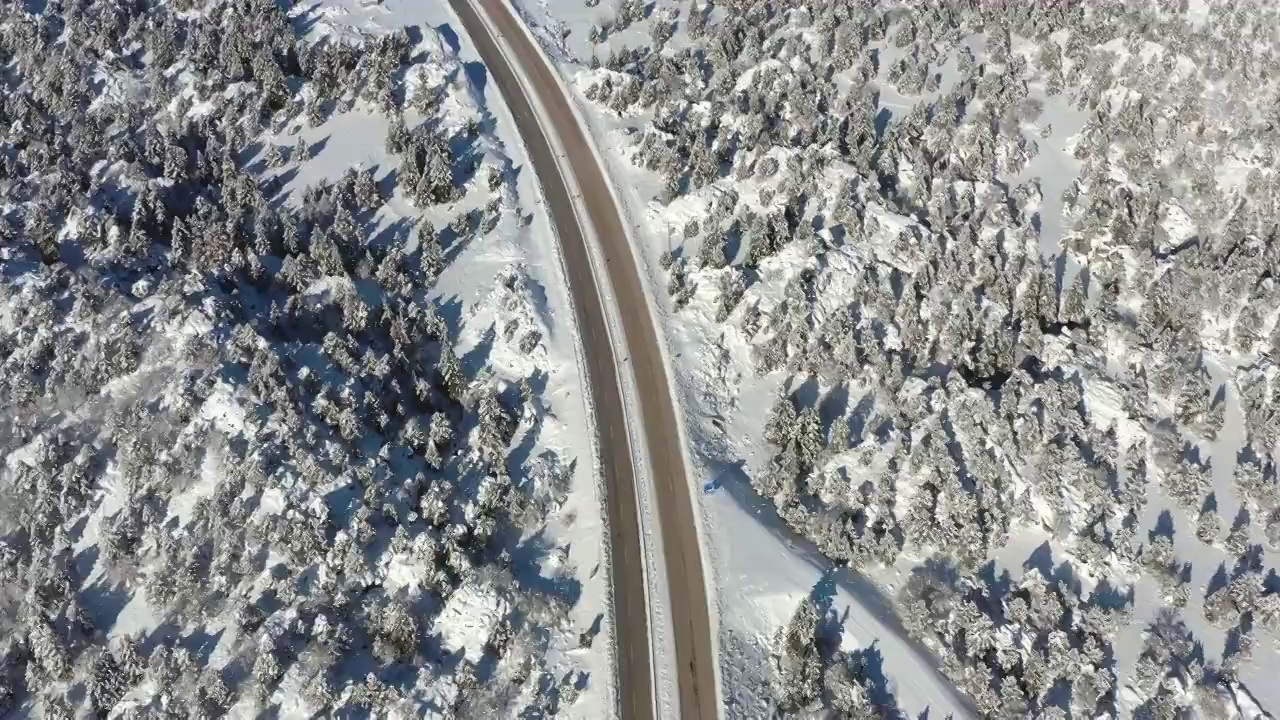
[761,568]
[477,283]
[511,274]
[228,571]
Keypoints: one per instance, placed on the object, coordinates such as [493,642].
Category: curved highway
[694,663]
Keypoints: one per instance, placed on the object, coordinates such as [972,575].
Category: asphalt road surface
[694,662]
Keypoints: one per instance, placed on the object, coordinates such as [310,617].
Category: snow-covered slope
[292,420]
[980,303]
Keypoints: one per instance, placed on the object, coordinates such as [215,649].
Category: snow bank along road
[694,663]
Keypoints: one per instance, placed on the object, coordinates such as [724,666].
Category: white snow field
[1195,623]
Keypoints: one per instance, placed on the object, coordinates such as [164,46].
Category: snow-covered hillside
[973,311]
[290,412]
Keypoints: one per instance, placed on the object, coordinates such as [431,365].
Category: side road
[694,662]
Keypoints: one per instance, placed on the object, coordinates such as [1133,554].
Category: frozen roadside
[682,550]
[628,563]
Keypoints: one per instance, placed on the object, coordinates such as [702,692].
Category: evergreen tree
[795,663]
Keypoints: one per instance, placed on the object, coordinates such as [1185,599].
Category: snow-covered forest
[276,376]
[982,298]
[978,300]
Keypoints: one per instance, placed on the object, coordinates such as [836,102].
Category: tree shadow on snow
[198,642]
[475,360]
[449,36]
[1218,581]
[1041,560]
[871,662]
[395,234]
[1108,597]
[519,456]
[1164,526]
[882,120]
[450,310]
[733,478]
[305,22]
[104,602]
[997,584]
[526,565]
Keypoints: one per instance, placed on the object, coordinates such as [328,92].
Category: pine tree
[395,633]
[49,655]
[1272,529]
[106,683]
[732,288]
[695,21]
[712,250]
[425,99]
[431,260]
[301,151]
[451,373]
[274,157]
[809,437]
[838,436]
[849,695]
[795,663]
[494,427]
[324,251]
[781,426]
[367,195]
[1237,542]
